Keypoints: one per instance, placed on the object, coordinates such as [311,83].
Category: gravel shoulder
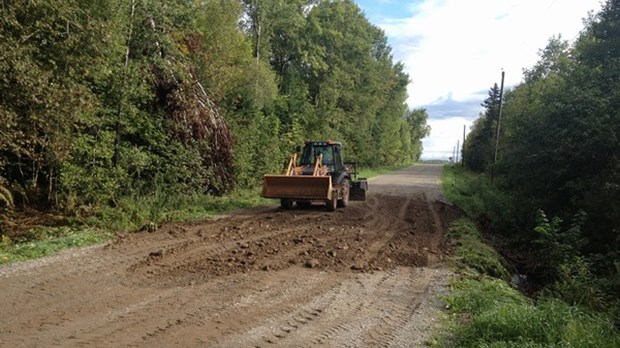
[367,275]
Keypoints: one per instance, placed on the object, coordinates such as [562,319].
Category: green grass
[50,240]
[490,313]
[486,311]
[376,171]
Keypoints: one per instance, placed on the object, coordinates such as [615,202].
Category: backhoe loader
[318,175]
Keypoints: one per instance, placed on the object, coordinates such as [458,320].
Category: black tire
[286,203]
[345,187]
[303,205]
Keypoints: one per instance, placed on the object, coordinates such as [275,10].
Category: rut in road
[241,281]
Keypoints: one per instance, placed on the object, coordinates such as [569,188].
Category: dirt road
[363,276]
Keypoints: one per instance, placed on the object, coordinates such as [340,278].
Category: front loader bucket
[300,187]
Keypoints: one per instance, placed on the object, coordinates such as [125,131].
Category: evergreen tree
[478,150]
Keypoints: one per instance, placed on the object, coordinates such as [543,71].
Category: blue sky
[454,50]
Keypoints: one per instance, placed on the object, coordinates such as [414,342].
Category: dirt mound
[382,233]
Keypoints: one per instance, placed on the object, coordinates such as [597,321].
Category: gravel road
[368,275]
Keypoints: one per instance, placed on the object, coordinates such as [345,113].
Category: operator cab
[331,151]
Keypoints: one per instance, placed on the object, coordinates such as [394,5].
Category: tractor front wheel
[286,204]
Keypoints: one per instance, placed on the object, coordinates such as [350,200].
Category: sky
[455,50]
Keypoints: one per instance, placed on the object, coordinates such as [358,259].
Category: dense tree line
[105,98]
[560,160]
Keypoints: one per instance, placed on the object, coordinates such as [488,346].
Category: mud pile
[382,233]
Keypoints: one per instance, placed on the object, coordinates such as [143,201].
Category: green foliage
[557,246]
[413,130]
[109,106]
[496,210]
[577,286]
[488,312]
[368,172]
[464,189]
[134,212]
[479,147]
[41,97]
[106,99]
[561,140]
[255,152]
[336,79]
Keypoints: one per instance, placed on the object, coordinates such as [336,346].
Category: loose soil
[365,275]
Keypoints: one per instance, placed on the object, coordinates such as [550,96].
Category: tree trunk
[117,138]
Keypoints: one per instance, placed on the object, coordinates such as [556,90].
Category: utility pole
[457,151]
[499,117]
[463,147]
[453,153]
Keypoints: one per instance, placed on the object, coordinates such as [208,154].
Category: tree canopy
[104,99]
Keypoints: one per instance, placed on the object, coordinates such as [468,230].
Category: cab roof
[323,142]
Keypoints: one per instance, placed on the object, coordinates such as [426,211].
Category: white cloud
[456,48]
[445,135]
[453,49]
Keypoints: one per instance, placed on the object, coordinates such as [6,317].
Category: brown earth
[366,275]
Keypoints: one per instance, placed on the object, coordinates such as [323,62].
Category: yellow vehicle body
[320,176]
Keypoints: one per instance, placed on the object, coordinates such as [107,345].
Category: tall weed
[557,246]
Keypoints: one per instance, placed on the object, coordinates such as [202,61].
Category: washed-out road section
[367,275]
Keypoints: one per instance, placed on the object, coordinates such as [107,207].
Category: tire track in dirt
[241,280]
[367,311]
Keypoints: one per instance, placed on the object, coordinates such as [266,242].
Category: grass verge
[487,310]
[51,240]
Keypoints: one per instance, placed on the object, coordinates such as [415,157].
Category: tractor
[318,175]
